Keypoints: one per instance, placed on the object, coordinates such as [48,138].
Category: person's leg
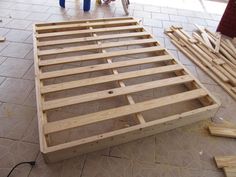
[62,3]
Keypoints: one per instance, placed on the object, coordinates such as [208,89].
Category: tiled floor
[184,152]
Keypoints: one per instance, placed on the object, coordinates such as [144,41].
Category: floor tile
[178,18]
[30,73]
[152,22]
[152,8]
[4,31]
[36,16]
[212,23]
[18,24]
[13,67]
[14,120]
[68,168]
[141,14]
[14,152]
[17,50]
[16,14]
[141,169]
[31,135]
[135,150]
[15,90]
[17,35]
[2,79]
[169,10]
[160,16]
[96,165]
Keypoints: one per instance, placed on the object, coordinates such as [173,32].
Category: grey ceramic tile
[160,16]
[97,165]
[14,120]
[13,67]
[17,35]
[14,152]
[134,150]
[18,24]
[15,90]
[17,50]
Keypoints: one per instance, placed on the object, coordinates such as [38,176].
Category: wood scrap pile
[213,54]
[227,163]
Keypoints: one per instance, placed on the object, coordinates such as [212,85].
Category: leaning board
[103,82]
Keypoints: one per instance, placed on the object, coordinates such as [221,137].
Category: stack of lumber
[228,163]
[213,54]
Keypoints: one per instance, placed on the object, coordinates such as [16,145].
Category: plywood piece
[107,74]
[225,161]
[223,131]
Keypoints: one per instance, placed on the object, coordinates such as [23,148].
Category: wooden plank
[57,103]
[90,39]
[81,21]
[230,171]
[217,46]
[109,78]
[2,39]
[225,161]
[87,31]
[65,50]
[73,122]
[86,69]
[231,46]
[99,56]
[54,28]
[223,131]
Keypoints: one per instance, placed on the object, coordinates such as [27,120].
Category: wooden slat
[65,50]
[89,39]
[81,21]
[83,25]
[114,92]
[122,111]
[223,131]
[2,38]
[92,68]
[225,161]
[87,31]
[230,171]
[99,56]
[109,78]
[231,46]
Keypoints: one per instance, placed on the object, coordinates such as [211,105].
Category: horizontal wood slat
[114,92]
[81,21]
[97,30]
[109,78]
[99,56]
[92,68]
[73,122]
[89,39]
[94,47]
[80,25]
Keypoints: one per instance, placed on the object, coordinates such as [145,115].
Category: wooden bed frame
[103,82]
